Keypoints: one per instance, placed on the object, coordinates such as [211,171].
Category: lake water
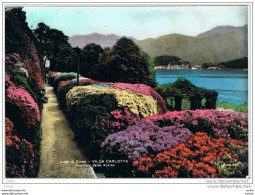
[232,86]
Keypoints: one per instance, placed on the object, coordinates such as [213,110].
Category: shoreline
[229,69]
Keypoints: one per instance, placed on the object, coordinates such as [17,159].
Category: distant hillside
[100,39]
[219,31]
[198,50]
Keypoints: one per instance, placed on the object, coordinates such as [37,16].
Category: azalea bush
[233,167]
[86,120]
[84,81]
[52,76]
[59,78]
[119,120]
[19,154]
[16,68]
[146,90]
[218,121]
[15,64]
[21,107]
[193,158]
[61,93]
[65,86]
[138,104]
[143,138]
[33,65]
[139,140]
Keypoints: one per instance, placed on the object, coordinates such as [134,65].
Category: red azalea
[199,161]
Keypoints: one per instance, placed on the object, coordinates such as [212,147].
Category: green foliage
[124,63]
[230,168]
[211,99]
[226,105]
[100,175]
[152,78]
[15,27]
[195,101]
[22,81]
[54,45]
[86,119]
[165,60]
[202,126]
[237,133]
[62,94]
[90,55]
[36,141]
[183,95]
[238,63]
[178,103]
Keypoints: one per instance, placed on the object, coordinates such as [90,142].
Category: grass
[100,175]
[226,105]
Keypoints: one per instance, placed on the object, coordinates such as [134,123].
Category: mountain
[199,50]
[100,39]
[219,31]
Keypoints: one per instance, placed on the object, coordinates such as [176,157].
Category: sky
[138,22]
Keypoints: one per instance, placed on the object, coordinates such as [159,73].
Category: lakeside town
[184,67]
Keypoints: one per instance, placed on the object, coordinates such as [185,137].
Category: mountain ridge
[104,40]
[220,30]
[221,43]
[199,50]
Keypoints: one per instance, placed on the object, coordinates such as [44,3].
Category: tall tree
[90,56]
[53,44]
[124,63]
[15,28]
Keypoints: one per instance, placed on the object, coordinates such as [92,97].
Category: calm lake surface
[232,86]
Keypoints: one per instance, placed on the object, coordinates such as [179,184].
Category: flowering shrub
[119,120]
[193,158]
[51,73]
[11,59]
[63,84]
[82,82]
[85,81]
[10,139]
[59,78]
[138,104]
[33,65]
[86,118]
[236,167]
[52,76]
[219,121]
[13,63]
[19,154]
[19,98]
[62,91]
[143,138]
[146,90]
[138,88]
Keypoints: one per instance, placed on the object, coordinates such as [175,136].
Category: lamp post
[78,52]
[78,70]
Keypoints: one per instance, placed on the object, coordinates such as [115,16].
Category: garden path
[59,153]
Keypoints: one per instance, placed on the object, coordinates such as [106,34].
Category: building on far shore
[177,66]
[213,68]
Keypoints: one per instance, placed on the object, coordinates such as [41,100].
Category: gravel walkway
[60,156]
